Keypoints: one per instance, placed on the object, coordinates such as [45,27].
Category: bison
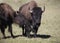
[6,18]
[33,14]
[25,10]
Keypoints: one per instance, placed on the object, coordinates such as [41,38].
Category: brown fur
[24,9]
[6,9]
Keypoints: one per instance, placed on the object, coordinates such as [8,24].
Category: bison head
[36,14]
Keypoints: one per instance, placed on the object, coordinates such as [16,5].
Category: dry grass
[50,24]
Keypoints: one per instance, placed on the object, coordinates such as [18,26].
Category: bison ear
[43,9]
[15,13]
[31,12]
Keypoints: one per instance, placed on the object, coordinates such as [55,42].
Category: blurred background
[50,23]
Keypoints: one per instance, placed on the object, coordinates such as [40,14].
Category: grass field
[49,31]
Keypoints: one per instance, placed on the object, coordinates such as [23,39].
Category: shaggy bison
[25,10]
[6,18]
[33,14]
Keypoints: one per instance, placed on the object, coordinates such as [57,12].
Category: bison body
[32,15]
[6,18]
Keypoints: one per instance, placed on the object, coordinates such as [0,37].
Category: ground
[49,31]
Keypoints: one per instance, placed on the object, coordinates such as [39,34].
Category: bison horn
[43,9]
[31,11]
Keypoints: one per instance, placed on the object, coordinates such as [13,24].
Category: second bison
[6,18]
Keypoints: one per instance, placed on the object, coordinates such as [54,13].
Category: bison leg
[35,30]
[10,30]
[3,31]
[27,32]
[23,31]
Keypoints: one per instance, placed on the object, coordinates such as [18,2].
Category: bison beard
[6,18]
